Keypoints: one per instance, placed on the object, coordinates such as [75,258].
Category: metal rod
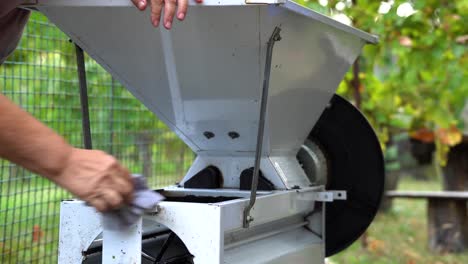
[111,118]
[83,98]
[275,36]
[148,256]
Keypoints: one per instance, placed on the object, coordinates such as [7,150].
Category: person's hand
[97,178]
[169,10]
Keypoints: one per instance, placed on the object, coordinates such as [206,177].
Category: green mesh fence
[41,76]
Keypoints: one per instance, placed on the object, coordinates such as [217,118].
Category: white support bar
[79,226]
[121,246]
[329,196]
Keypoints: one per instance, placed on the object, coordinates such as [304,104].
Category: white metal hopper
[204,79]
[204,76]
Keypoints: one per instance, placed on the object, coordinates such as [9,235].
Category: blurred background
[412,86]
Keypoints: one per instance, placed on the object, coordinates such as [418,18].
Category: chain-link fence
[41,76]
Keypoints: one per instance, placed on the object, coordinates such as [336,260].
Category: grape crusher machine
[286,171]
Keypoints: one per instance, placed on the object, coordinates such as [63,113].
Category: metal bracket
[275,36]
[329,196]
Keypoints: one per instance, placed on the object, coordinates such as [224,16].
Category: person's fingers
[182,9]
[112,199]
[98,203]
[169,11]
[124,184]
[140,4]
[156,9]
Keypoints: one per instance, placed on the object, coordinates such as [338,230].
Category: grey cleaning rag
[144,200]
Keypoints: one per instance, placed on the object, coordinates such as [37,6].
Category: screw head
[209,134]
[233,134]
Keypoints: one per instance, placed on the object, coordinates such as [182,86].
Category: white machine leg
[79,226]
[121,246]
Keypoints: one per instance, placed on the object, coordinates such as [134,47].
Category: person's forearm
[29,143]
[91,175]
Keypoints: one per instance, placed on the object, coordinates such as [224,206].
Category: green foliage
[416,77]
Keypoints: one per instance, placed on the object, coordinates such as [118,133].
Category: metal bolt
[209,134]
[233,134]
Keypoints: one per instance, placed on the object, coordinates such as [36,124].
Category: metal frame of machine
[204,80]
[213,232]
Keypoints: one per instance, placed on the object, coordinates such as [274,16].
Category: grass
[400,236]
[29,221]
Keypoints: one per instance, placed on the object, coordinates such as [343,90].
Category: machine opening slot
[200,199]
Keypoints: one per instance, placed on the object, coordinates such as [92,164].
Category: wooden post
[144,142]
[447,225]
[454,237]
[456,171]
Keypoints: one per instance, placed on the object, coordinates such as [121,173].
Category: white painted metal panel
[298,246]
[121,245]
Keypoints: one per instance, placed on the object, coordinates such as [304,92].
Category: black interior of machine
[355,164]
[199,199]
[208,178]
[246,181]
[159,248]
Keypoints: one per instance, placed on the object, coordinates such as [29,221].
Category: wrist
[58,162]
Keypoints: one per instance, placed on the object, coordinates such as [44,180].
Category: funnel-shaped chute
[204,77]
